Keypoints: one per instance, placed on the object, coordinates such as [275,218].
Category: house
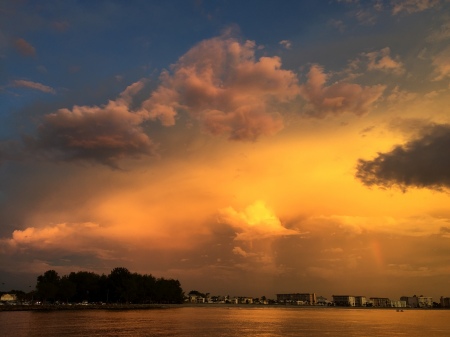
[196,299]
[8,297]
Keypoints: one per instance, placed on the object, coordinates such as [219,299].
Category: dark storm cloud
[423,162]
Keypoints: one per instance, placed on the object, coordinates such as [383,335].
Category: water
[226,321]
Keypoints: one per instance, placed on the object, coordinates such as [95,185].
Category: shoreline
[123,307]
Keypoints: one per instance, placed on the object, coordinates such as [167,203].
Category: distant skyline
[251,147]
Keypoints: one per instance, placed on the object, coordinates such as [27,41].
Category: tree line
[120,286]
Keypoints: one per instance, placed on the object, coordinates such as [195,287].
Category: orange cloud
[382,60]
[441,62]
[256,222]
[337,98]
[412,6]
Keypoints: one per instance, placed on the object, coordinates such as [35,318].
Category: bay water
[226,321]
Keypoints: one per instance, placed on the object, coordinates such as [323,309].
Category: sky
[245,148]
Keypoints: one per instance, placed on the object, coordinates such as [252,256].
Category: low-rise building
[425,302]
[308,299]
[344,300]
[245,300]
[398,304]
[381,302]
[196,299]
[411,301]
[445,302]
[322,301]
[360,301]
[418,301]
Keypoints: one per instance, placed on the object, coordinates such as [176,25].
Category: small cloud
[242,252]
[24,48]
[432,94]
[60,26]
[257,221]
[338,24]
[381,60]
[286,44]
[366,130]
[333,250]
[400,96]
[378,5]
[74,69]
[366,17]
[33,85]
[441,62]
[42,69]
[338,97]
[412,6]
[441,34]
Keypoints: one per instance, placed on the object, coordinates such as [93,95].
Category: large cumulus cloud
[423,162]
[226,88]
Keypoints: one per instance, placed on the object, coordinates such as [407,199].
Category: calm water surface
[227,321]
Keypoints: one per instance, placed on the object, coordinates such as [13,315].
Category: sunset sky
[243,147]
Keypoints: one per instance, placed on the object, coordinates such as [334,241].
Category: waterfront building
[245,300]
[425,302]
[398,304]
[360,301]
[381,302]
[418,301]
[445,302]
[196,299]
[322,301]
[344,300]
[308,299]
[411,301]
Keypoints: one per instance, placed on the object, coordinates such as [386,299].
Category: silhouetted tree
[120,280]
[67,289]
[119,286]
[47,285]
[168,291]
[87,286]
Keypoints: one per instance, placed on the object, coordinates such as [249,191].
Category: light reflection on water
[227,322]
